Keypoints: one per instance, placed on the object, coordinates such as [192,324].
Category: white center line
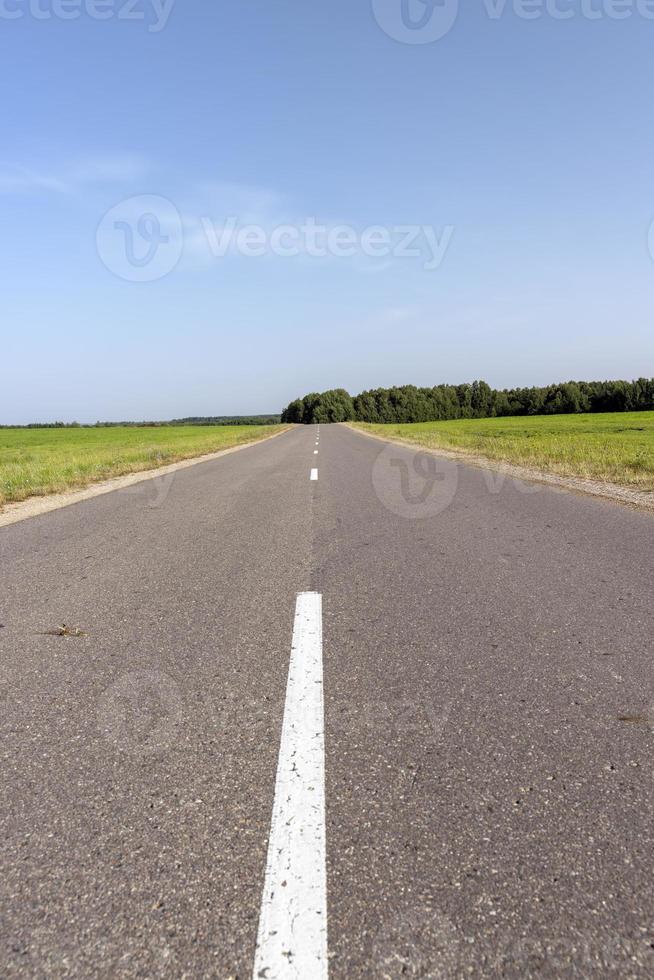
[314,474]
[292,938]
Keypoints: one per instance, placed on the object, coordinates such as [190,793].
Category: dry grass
[615,448]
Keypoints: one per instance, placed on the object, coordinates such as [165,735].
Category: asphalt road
[488,720]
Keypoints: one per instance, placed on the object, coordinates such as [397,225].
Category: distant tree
[294,411]
[334,406]
[464,398]
[309,407]
[501,403]
[565,399]
[481,400]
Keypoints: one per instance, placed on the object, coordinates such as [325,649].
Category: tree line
[470,401]
[192,420]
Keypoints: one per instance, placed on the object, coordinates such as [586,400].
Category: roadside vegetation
[36,461]
[614,447]
[470,401]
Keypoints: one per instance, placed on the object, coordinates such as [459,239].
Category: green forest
[470,401]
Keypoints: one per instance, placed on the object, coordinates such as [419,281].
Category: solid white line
[292,938]
[314,474]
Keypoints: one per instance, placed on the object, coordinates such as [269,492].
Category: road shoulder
[22,510]
[639,499]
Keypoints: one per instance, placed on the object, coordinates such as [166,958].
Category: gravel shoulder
[34,506]
[641,499]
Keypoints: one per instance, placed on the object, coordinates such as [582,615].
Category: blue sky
[524,145]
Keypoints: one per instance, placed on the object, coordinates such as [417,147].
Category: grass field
[615,448]
[42,461]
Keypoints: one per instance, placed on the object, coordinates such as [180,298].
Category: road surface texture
[485,787]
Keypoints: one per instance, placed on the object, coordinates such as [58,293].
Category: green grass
[613,447]
[42,461]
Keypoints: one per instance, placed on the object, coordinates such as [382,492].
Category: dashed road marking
[314,474]
[292,938]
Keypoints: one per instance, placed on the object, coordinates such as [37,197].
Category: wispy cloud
[398,314]
[20,180]
[215,213]
[253,204]
[72,177]
[110,168]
